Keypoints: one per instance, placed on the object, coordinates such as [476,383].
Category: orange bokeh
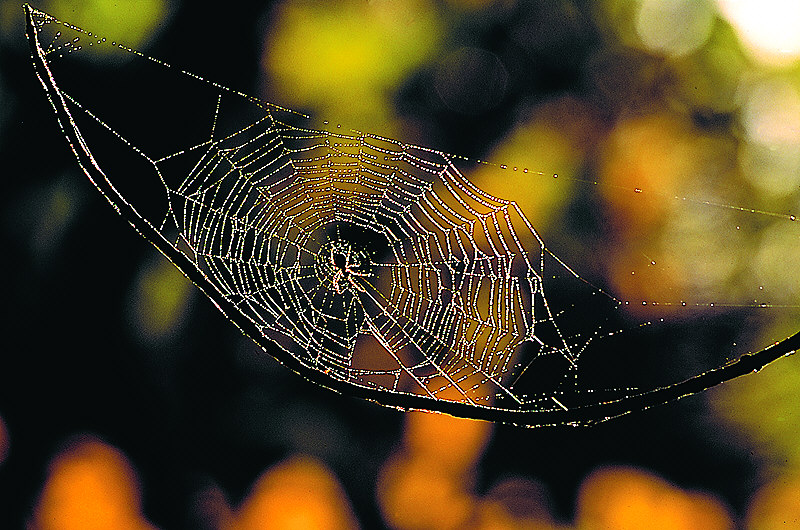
[427,485]
[298,493]
[90,485]
[776,505]
[667,250]
[415,492]
[649,157]
[429,482]
[655,289]
[453,442]
[628,498]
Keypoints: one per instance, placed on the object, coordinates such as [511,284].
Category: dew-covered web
[368,265]
[326,240]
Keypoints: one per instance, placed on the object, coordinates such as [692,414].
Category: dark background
[201,406]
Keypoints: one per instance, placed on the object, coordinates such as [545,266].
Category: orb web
[323,239]
[368,265]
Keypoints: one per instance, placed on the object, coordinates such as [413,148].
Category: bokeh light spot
[775,262]
[674,27]
[776,505]
[651,153]
[130,22]
[90,486]
[709,79]
[661,159]
[428,483]
[414,492]
[768,28]
[453,442]
[296,494]
[770,157]
[705,256]
[554,139]
[631,499]
[161,301]
[347,59]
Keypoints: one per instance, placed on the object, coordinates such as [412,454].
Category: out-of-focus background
[127,401]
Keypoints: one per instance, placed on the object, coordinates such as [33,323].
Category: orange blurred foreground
[298,493]
[776,505]
[626,498]
[428,483]
[90,485]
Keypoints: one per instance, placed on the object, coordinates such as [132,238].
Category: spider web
[321,239]
[368,265]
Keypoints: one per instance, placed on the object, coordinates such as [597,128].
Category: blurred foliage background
[127,401]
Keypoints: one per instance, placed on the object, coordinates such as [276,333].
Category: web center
[347,267]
